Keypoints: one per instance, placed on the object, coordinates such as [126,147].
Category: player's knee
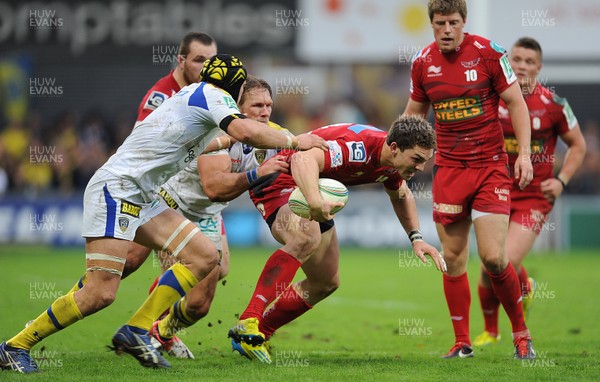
[495,264]
[202,260]
[303,245]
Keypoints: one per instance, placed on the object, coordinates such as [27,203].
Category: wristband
[415,235]
[251,176]
[562,182]
[289,142]
[219,143]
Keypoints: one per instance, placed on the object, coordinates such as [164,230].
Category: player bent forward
[120,205]
[358,154]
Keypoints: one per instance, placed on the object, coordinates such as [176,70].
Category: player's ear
[180,59]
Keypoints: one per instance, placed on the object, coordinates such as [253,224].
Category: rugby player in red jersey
[194,49]
[551,117]
[358,154]
[464,77]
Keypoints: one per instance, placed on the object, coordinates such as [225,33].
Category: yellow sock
[62,313]
[176,320]
[82,281]
[173,285]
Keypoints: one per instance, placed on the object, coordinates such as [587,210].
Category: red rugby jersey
[550,117]
[353,157]
[463,88]
[158,93]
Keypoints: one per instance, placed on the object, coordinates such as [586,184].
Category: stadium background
[72,74]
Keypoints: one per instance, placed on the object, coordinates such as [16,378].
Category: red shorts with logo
[270,192]
[458,190]
[530,211]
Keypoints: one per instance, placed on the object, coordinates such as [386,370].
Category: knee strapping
[109,263]
[183,242]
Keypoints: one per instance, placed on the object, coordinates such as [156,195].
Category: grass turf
[387,321]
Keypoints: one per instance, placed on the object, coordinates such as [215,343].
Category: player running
[464,77]
[358,154]
[551,117]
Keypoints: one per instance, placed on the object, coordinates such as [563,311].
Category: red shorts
[271,192]
[530,211]
[457,191]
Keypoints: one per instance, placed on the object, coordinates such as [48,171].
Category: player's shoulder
[422,55]
[485,47]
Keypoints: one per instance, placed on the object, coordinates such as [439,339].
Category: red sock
[286,308]
[524,279]
[276,276]
[458,297]
[489,306]
[506,286]
[154,284]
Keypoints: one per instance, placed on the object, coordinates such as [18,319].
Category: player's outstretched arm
[405,208]
[257,134]
[519,117]
[222,185]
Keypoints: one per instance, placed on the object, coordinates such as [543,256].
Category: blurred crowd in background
[42,157]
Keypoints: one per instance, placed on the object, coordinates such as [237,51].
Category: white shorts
[211,225]
[115,207]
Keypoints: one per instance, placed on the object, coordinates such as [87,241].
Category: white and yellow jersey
[184,191]
[171,137]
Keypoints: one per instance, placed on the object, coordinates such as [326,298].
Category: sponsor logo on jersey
[457,109]
[478,45]
[509,74]
[511,145]
[260,156]
[168,199]
[335,153]
[246,149]
[470,64]
[356,152]
[230,102]
[434,71]
[382,179]
[447,208]
[130,209]
[123,224]
[497,47]
[155,99]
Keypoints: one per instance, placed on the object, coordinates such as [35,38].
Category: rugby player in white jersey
[121,205]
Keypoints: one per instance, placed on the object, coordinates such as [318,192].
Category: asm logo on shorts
[123,224]
[130,209]
[448,208]
[457,109]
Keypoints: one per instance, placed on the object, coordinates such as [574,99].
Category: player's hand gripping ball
[330,189]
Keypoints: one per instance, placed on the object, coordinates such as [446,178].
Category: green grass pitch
[387,321]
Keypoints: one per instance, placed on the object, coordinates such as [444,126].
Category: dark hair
[447,7]
[409,131]
[201,37]
[529,43]
[252,83]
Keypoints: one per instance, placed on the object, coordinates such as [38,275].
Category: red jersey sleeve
[499,67]
[563,115]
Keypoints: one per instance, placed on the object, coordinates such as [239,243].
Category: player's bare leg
[455,246]
[491,231]
[168,231]
[105,258]
[519,243]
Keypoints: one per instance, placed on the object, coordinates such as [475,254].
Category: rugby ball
[331,190]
